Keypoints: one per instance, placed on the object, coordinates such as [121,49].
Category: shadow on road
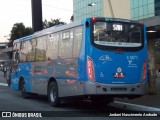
[77,105]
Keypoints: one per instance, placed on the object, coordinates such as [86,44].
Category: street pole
[111,9]
[37,15]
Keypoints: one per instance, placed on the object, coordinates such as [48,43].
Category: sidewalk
[147,100]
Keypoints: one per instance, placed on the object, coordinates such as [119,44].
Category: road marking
[134,107]
[3,84]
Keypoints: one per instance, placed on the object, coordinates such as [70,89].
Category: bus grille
[118,89]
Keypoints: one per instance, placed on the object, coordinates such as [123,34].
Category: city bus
[97,58]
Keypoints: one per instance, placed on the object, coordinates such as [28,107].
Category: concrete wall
[152,67]
[121,8]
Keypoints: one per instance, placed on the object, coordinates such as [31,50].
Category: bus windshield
[117,34]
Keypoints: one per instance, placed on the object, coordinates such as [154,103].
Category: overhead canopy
[153,27]
[7,49]
[152,21]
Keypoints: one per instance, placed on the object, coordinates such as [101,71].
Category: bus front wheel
[53,94]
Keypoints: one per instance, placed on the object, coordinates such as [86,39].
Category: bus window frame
[111,48]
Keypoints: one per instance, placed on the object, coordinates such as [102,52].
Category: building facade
[141,9]
[148,12]
[4,56]
[157,7]
[101,8]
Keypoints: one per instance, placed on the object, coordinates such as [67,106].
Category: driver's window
[16,49]
[15,58]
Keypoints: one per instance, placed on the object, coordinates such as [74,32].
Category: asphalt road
[11,101]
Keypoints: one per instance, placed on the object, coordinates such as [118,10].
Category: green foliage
[28,31]
[72,18]
[18,31]
[47,24]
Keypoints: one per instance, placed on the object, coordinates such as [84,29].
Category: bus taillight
[90,68]
[144,72]
[94,18]
[45,71]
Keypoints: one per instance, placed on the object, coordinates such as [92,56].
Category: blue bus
[97,58]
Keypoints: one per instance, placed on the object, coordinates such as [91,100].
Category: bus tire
[23,90]
[53,96]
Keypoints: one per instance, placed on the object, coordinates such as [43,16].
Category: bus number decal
[131,61]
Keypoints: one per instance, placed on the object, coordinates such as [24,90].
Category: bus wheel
[23,90]
[53,94]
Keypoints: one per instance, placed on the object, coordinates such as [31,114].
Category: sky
[19,11]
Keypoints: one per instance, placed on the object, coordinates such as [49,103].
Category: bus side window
[16,46]
[31,50]
[41,49]
[52,46]
[17,56]
[16,49]
[65,44]
[77,41]
[23,51]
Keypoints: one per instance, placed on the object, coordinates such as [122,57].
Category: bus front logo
[105,58]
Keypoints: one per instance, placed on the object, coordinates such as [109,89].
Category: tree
[72,18]
[28,31]
[18,31]
[53,22]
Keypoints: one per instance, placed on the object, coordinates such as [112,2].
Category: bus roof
[58,28]
[50,30]
[23,39]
